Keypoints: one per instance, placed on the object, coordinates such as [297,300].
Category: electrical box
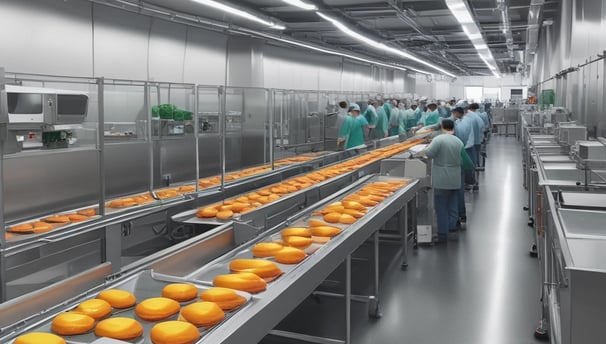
[592,150]
[570,134]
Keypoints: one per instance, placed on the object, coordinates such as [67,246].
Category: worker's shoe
[462,219]
[476,188]
[453,236]
[440,240]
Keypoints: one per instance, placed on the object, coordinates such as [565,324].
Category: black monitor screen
[24,103]
[72,104]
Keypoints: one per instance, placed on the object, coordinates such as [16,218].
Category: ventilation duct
[535,15]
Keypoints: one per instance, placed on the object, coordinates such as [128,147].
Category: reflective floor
[481,289]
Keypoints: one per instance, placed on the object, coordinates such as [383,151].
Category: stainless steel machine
[42,117]
[565,177]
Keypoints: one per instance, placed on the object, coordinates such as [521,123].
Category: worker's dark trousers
[447,212]
[476,162]
[470,175]
[461,195]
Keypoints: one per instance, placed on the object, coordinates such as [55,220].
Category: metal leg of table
[348,299]
[542,330]
[374,310]
[413,216]
[403,224]
[305,337]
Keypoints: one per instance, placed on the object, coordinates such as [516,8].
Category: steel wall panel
[166,51]
[36,184]
[126,57]
[46,36]
[126,168]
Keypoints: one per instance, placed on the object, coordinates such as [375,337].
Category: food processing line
[157,161]
[200,258]
[566,179]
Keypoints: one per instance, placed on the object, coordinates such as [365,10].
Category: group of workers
[457,154]
[381,119]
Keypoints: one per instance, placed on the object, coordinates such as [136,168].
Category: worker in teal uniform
[387,107]
[411,116]
[418,113]
[431,116]
[371,117]
[448,158]
[394,119]
[344,132]
[444,109]
[464,131]
[370,111]
[402,118]
[382,122]
[478,131]
[355,129]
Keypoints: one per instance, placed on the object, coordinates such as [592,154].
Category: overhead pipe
[503,6]
[535,15]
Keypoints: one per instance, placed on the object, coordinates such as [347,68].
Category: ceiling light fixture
[337,53]
[343,28]
[490,66]
[240,13]
[302,5]
[461,11]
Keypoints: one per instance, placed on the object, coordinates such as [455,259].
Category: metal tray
[189,217]
[143,285]
[206,274]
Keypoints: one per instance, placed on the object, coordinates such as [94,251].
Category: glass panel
[125,117]
[209,139]
[126,151]
[174,142]
[247,132]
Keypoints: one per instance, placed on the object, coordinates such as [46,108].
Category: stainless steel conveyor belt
[264,310]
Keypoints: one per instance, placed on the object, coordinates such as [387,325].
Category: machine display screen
[24,103]
[72,105]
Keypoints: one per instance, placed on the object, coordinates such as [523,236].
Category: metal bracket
[244,232]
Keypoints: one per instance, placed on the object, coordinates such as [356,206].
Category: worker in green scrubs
[387,107]
[394,119]
[411,116]
[382,122]
[402,118]
[371,116]
[418,111]
[431,116]
[354,129]
[344,132]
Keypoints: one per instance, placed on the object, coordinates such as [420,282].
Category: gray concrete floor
[481,289]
